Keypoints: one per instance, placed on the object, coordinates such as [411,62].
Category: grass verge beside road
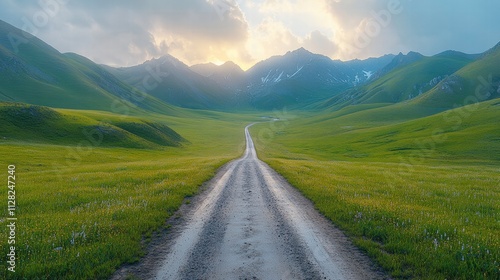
[81,214]
[435,218]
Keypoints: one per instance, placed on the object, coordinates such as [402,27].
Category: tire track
[251,224]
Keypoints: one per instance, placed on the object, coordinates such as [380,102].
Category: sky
[129,32]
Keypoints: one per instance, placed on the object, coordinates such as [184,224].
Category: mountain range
[300,77]
[294,79]
[408,128]
[35,73]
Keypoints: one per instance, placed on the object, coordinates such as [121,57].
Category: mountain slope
[397,62]
[34,72]
[405,82]
[300,77]
[476,82]
[171,81]
[228,75]
[205,69]
[390,134]
[38,124]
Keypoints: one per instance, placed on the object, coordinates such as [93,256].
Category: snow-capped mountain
[300,77]
[297,78]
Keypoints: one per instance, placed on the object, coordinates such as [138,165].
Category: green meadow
[418,191]
[419,195]
[84,209]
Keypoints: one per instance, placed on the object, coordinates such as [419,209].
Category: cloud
[316,42]
[278,26]
[271,37]
[373,28]
[127,32]
[365,28]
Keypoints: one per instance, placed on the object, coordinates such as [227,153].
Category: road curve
[251,224]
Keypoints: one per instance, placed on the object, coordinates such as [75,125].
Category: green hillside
[37,124]
[87,209]
[476,82]
[389,132]
[35,73]
[417,191]
[404,83]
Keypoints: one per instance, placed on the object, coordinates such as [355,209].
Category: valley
[88,209]
[251,224]
[423,204]
[397,156]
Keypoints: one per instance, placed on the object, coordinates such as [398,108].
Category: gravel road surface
[251,224]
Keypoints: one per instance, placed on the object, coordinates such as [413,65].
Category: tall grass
[81,219]
[438,222]
[421,211]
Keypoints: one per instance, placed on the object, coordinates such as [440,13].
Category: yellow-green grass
[467,134]
[84,212]
[437,222]
[433,216]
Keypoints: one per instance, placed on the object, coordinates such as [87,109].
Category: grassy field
[418,193]
[84,210]
[419,196]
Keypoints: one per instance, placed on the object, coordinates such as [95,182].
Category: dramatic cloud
[271,37]
[127,32]
[121,32]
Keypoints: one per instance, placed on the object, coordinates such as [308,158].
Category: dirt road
[251,224]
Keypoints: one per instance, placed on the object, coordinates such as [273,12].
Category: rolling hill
[391,134]
[38,124]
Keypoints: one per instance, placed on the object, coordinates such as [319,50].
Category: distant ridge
[34,72]
[399,61]
[175,83]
